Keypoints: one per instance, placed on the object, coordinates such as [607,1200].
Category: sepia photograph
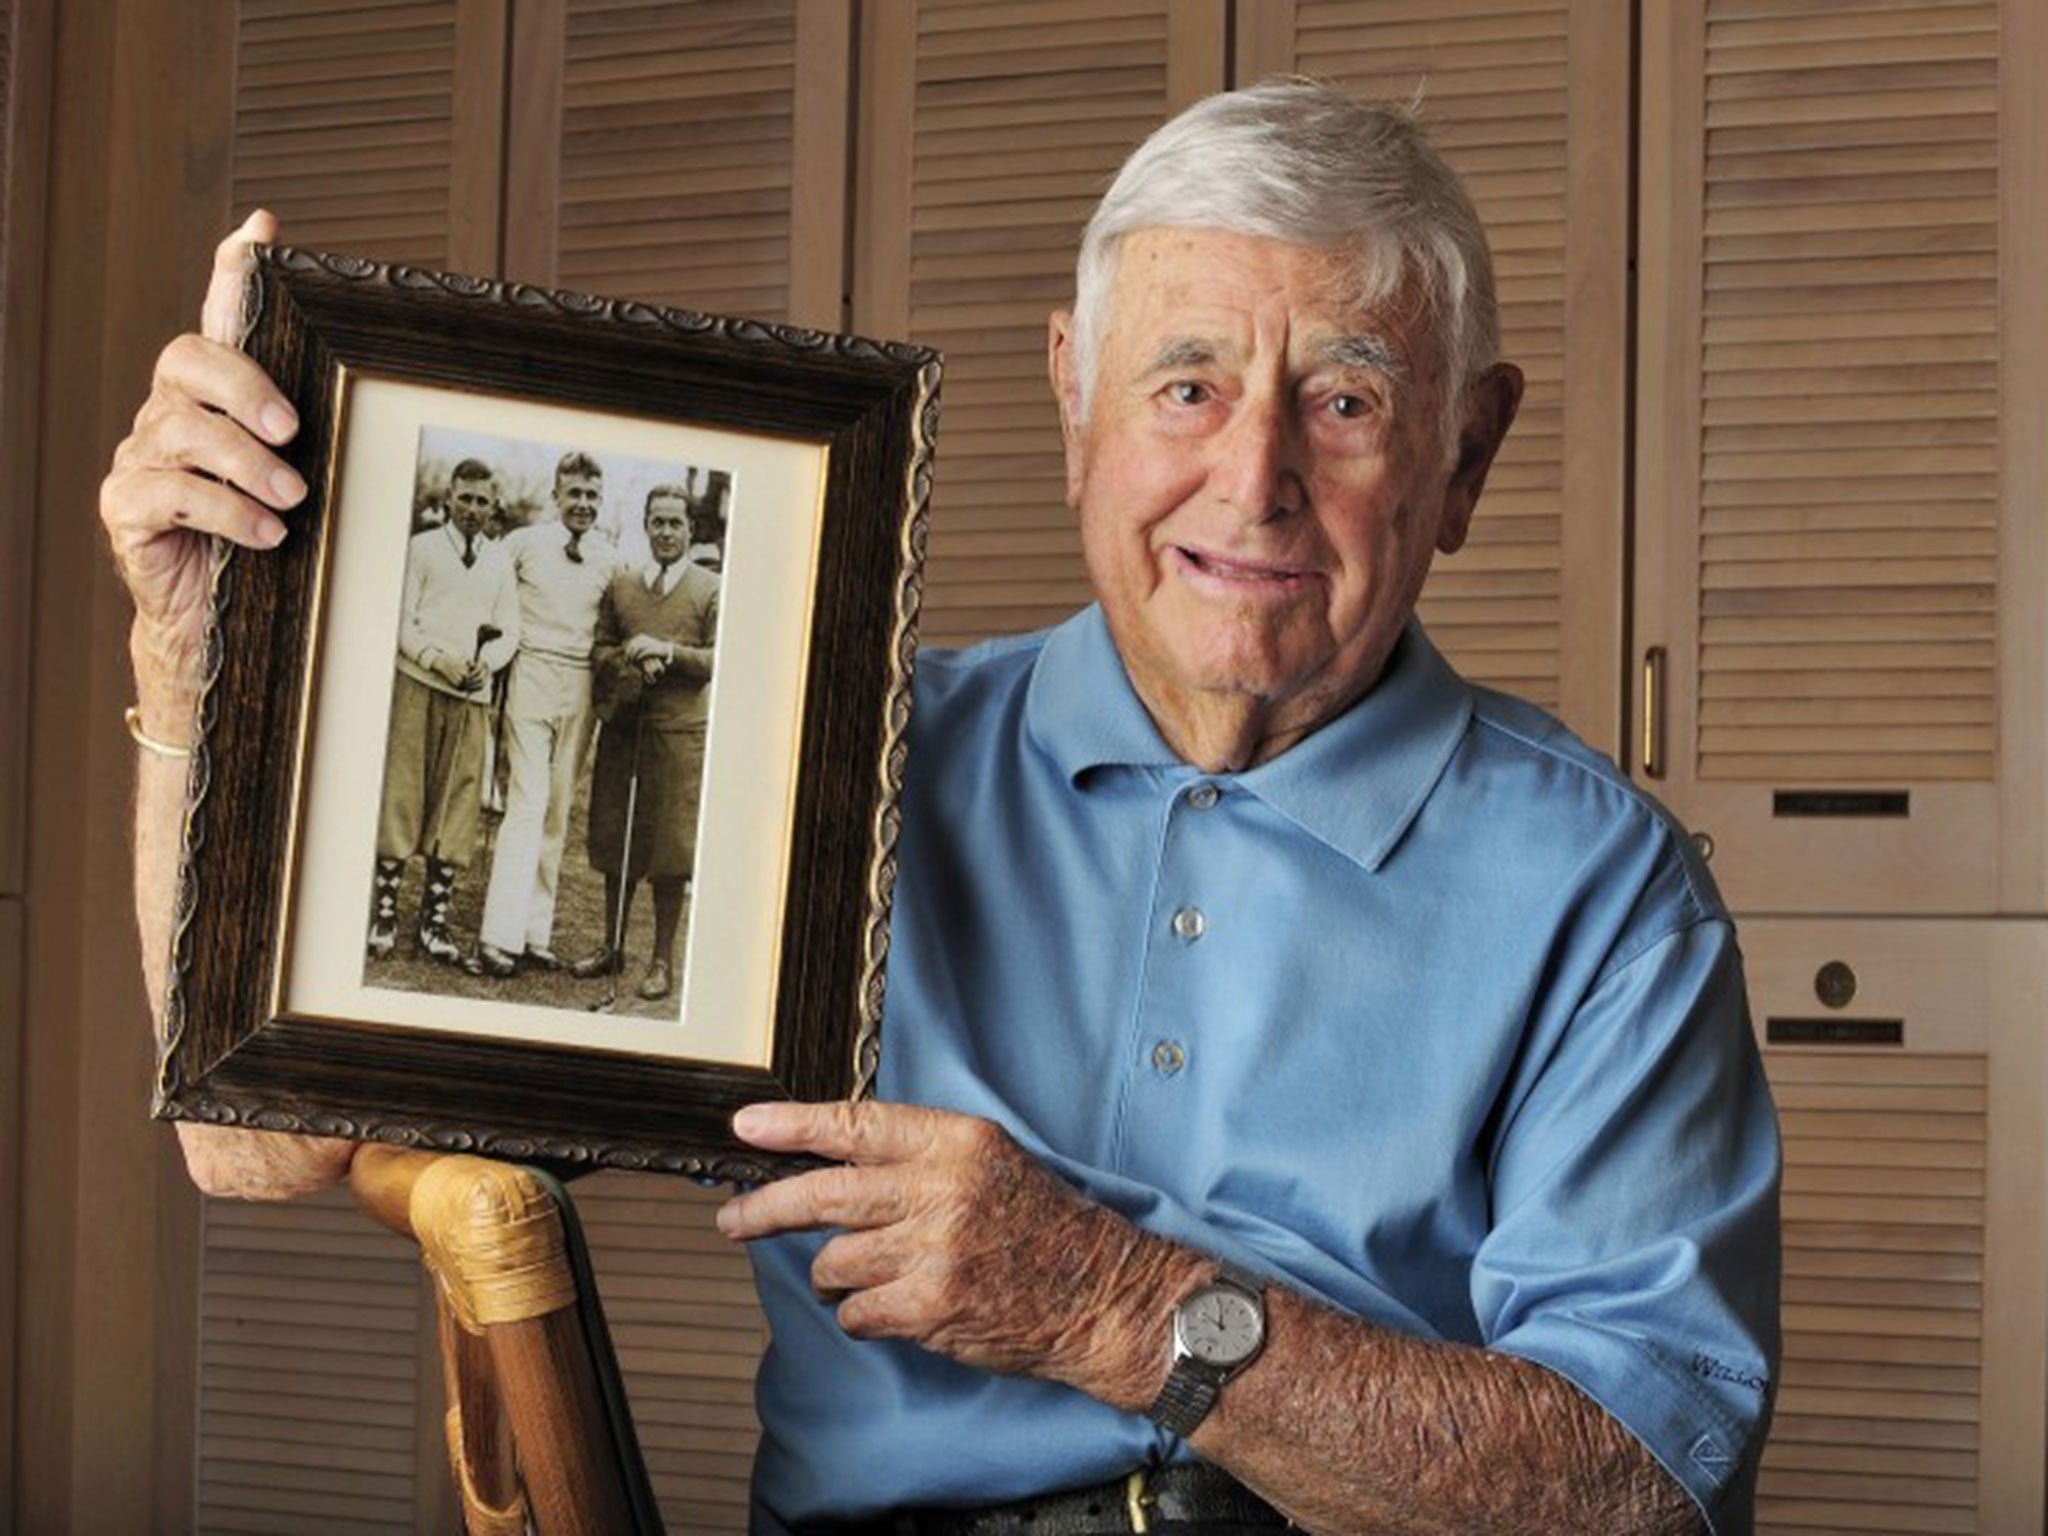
[550,699]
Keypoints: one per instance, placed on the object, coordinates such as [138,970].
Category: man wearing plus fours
[1314,1088]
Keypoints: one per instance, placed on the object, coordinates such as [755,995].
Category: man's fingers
[858,1261]
[846,1131]
[205,371]
[829,1197]
[138,505]
[221,317]
[180,436]
[902,1309]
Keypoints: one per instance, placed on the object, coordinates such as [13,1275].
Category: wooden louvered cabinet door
[319,1394]
[1913,1391]
[689,153]
[989,131]
[371,128]
[1840,540]
[1529,102]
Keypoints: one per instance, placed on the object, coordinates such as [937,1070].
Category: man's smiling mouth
[1217,568]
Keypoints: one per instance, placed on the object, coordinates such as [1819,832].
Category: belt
[1161,1499]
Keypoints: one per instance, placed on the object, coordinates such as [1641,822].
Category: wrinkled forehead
[668,509]
[482,488]
[1178,291]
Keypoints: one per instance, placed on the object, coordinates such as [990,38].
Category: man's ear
[1490,406]
[1063,369]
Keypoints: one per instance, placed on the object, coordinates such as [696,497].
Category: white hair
[1295,160]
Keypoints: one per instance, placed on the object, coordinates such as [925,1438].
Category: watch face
[1221,1326]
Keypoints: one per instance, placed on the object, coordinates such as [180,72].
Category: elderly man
[1320,1088]
[656,631]
[458,623]
[562,567]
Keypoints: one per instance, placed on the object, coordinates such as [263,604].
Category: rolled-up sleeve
[1634,1244]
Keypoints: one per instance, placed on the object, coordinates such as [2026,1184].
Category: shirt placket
[1182,953]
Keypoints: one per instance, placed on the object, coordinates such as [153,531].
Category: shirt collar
[1081,708]
[1355,784]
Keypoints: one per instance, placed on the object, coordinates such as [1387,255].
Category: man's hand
[641,648]
[261,1165]
[198,461]
[956,1238]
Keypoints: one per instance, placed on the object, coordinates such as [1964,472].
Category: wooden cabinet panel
[691,154]
[319,1406]
[679,1298]
[373,128]
[1912,1393]
[990,130]
[25,41]
[1530,104]
[1840,552]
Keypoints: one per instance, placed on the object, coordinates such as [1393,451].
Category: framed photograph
[545,795]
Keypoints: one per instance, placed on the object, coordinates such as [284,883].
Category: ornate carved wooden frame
[225,1058]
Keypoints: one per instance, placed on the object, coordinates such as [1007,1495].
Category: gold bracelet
[133,715]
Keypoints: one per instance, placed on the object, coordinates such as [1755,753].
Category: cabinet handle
[1653,712]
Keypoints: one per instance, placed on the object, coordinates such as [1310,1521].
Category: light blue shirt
[1433,1017]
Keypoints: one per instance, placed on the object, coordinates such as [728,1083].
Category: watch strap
[1190,1392]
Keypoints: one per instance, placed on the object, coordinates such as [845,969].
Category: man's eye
[1188,392]
[1350,407]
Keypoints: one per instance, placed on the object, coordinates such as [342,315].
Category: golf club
[615,960]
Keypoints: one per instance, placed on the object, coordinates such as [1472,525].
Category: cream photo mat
[732,955]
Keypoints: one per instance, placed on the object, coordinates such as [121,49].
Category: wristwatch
[1217,1332]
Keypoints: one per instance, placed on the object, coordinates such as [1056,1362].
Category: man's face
[668,529]
[579,497]
[470,503]
[1261,479]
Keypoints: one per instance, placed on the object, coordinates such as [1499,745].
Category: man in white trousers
[562,566]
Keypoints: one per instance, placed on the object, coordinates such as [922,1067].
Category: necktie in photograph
[468,550]
[573,549]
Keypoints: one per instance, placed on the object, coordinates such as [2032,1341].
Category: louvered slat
[677,132]
[1850,365]
[1020,115]
[680,1302]
[309,1348]
[344,124]
[1884,1202]
[1495,90]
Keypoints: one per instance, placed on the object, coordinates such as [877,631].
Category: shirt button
[1168,1058]
[1188,923]
[1204,796]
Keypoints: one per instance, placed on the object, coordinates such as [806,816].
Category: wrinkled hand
[197,462]
[954,1237]
[233,1163]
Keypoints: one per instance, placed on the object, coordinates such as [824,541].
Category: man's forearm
[1349,1427]
[1345,1427]
[165,695]
[222,1159]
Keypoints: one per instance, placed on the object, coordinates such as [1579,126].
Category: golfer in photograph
[655,631]
[458,626]
[562,566]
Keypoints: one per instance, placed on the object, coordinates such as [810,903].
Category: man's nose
[1258,467]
